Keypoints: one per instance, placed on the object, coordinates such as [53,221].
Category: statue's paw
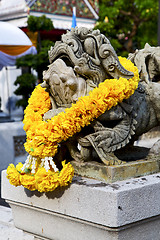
[118,162]
[113,162]
[78,157]
[110,159]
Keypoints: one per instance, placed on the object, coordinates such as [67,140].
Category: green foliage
[26,84]
[41,60]
[38,62]
[130,23]
[39,23]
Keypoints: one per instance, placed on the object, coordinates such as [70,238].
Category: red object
[53,35]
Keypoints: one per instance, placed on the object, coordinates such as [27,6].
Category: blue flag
[74,24]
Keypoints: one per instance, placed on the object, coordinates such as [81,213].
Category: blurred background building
[60,12]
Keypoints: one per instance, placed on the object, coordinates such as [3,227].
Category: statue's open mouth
[68,61]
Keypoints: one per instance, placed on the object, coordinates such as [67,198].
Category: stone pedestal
[120,172]
[89,209]
[12,138]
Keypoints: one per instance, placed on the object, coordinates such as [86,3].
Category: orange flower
[13,175]
[46,181]
[28,181]
[66,174]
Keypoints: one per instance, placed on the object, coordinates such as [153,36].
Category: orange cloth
[33,37]
[13,50]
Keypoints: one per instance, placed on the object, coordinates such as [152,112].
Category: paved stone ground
[7,229]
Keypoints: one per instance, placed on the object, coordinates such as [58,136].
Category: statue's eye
[81,64]
[111,67]
[71,44]
[106,53]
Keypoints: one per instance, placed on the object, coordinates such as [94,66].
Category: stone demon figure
[78,63]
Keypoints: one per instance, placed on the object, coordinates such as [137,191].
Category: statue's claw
[110,159]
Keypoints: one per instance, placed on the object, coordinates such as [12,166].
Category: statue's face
[153,66]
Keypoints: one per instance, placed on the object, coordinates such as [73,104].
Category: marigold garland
[42,180]
[43,137]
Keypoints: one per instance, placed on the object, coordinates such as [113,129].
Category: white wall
[8,131]
[8,76]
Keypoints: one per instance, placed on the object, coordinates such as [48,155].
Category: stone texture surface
[117,172]
[7,229]
[89,209]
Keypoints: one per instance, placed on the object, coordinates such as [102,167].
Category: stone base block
[117,172]
[89,209]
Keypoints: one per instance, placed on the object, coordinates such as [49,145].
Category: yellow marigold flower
[46,181]
[19,167]
[28,181]
[13,175]
[66,174]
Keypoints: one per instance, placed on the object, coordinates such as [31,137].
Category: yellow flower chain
[42,180]
[43,137]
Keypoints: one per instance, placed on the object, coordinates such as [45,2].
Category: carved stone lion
[78,63]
